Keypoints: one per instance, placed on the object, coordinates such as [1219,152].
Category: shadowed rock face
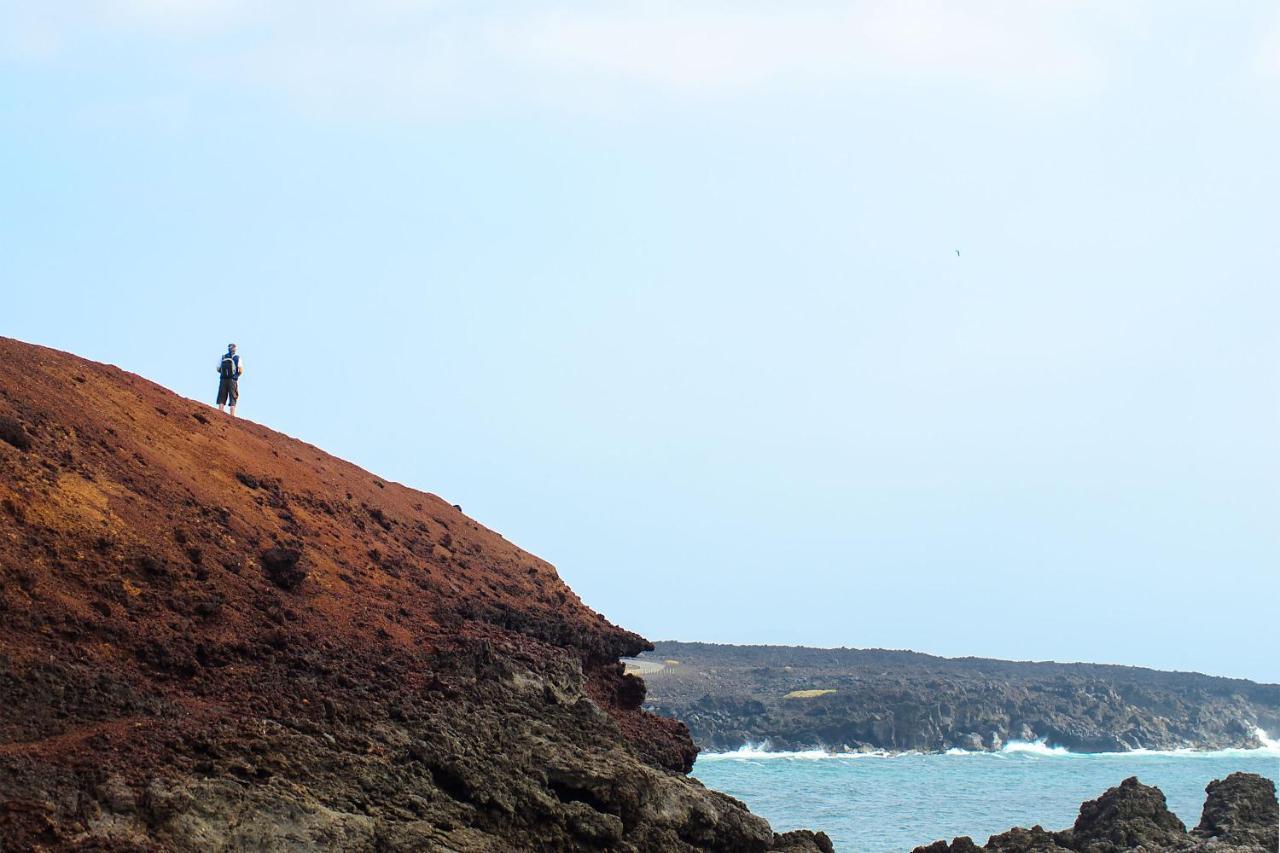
[1239,815]
[216,637]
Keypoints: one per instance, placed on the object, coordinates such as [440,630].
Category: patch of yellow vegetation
[84,494]
[76,502]
[807,694]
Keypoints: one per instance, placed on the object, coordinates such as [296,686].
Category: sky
[884,323]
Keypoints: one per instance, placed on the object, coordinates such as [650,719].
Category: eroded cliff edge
[213,636]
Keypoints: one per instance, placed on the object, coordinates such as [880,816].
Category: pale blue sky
[667,293]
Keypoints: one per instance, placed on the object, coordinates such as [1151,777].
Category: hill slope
[795,698]
[213,636]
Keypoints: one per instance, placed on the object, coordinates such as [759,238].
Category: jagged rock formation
[1240,809]
[215,637]
[797,698]
[1239,815]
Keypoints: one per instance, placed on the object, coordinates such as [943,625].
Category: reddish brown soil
[140,525]
[171,578]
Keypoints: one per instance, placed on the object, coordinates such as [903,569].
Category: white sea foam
[755,752]
[1269,744]
[1033,747]
[1037,748]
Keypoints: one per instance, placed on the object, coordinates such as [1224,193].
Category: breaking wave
[757,751]
[1037,748]
[1033,747]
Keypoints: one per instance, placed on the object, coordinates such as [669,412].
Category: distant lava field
[853,699]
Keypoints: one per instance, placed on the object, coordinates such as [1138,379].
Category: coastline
[893,803]
[873,700]
[1034,748]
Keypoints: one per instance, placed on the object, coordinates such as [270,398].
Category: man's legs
[228,394]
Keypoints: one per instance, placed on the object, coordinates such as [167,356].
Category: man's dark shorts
[228,390]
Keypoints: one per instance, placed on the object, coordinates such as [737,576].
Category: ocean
[875,803]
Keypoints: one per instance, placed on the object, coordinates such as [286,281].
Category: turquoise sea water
[873,803]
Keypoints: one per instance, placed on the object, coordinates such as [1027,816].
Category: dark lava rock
[12,432]
[963,844]
[281,566]
[1239,815]
[863,699]
[1033,840]
[1128,817]
[802,841]
[1240,809]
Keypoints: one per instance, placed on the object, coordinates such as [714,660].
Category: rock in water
[1127,817]
[213,636]
[1239,816]
[1240,809]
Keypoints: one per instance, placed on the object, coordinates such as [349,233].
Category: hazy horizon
[878,324]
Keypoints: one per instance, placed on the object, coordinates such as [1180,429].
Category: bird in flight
[957,253]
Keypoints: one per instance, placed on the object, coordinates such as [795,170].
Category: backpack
[228,367]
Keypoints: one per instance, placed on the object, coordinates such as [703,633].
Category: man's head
[231,347]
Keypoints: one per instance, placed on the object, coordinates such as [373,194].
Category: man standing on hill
[229,370]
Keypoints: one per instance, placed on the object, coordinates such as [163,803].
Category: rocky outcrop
[1239,815]
[216,637]
[1241,809]
[853,699]
[1128,817]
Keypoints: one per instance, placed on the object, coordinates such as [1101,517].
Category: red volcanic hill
[213,636]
